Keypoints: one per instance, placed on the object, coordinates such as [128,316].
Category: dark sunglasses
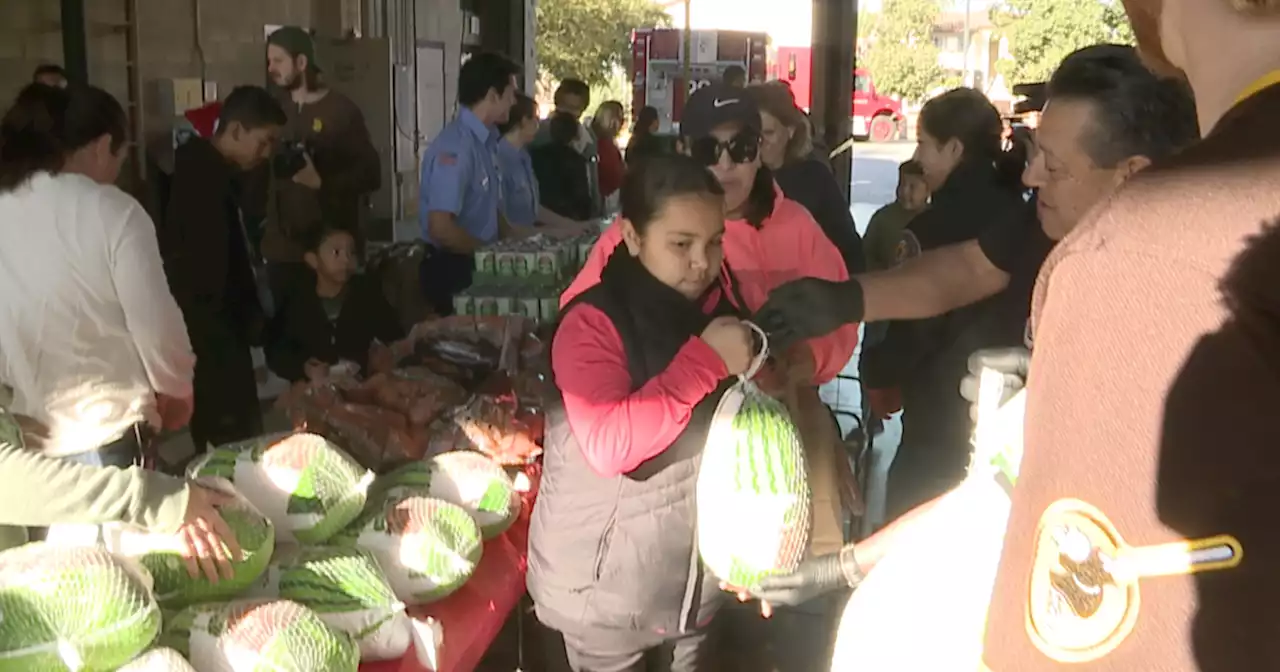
[742,148]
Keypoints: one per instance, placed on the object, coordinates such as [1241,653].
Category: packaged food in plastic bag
[418,393]
[378,438]
[493,425]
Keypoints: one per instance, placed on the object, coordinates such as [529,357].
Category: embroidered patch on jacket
[1084,594]
[317,125]
[908,247]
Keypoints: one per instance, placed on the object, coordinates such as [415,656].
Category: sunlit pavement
[875,179]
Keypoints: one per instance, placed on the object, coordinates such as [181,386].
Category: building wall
[231,30]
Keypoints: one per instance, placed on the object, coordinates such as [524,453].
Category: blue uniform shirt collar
[486,134]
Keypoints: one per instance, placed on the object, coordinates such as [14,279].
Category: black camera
[289,158]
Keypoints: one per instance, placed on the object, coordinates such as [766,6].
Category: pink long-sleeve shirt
[789,245]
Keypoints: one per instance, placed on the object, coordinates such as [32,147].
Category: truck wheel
[882,128]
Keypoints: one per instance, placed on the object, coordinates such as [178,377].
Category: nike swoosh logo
[721,103]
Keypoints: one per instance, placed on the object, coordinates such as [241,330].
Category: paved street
[875,179]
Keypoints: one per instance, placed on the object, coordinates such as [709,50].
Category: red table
[473,616]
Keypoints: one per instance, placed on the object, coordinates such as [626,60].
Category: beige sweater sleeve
[39,491]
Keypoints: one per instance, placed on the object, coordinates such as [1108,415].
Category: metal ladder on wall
[133,107]
[127,29]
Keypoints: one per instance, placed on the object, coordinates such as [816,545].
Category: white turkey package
[348,590]
[305,485]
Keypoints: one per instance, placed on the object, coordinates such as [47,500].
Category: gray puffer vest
[620,554]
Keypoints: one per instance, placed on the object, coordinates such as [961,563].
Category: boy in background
[345,316]
[884,232]
[208,261]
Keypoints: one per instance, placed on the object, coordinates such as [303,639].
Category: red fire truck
[874,116]
[657,66]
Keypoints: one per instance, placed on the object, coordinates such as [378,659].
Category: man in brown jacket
[325,170]
[1142,534]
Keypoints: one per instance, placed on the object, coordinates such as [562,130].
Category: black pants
[443,275]
[226,391]
[689,653]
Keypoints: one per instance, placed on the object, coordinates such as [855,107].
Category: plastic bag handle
[758,361]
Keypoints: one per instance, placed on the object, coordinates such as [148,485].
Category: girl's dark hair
[45,124]
[648,115]
[647,187]
[966,115]
[524,108]
[762,198]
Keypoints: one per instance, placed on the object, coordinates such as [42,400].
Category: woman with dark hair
[640,360]
[519,193]
[973,183]
[91,341]
[644,141]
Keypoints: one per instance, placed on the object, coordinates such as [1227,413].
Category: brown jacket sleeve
[358,169]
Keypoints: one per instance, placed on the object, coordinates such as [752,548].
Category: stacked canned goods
[524,277]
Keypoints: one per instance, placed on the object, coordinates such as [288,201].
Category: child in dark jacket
[345,318]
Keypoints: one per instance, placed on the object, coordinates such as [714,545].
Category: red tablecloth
[473,616]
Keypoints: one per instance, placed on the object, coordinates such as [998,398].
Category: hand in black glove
[1012,363]
[813,578]
[809,308]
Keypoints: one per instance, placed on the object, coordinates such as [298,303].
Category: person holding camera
[325,168]
[206,252]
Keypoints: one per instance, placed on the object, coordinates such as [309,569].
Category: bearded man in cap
[326,167]
[1142,533]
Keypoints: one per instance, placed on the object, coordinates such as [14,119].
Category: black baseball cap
[718,104]
[297,42]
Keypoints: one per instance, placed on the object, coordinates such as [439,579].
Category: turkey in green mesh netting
[466,478]
[306,486]
[159,660]
[753,496]
[349,591]
[259,636]
[163,554]
[427,547]
[76,608]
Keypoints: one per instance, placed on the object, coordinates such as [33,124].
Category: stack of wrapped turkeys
[381,500]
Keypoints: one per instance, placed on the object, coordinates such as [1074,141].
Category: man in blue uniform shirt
[460,191]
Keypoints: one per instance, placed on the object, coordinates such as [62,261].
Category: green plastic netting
[308,487]
[259,636]
[72,608]
[349,591]
[427,547]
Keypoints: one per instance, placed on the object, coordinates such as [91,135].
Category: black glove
[1011,362]
[809,308]
[814,577]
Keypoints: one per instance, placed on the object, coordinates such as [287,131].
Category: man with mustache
[1155,375]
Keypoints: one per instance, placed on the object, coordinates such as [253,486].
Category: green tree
[1042,32]
[902,56]
[589,39]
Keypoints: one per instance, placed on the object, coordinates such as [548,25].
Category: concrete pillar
[835,33]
